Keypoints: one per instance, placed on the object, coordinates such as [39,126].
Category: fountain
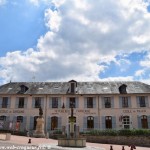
[72,139]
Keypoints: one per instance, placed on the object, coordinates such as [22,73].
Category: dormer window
[23,89]
[122,89]
[72,86]
[89,86]
[56,86]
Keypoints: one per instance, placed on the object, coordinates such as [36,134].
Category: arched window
[18,122]
[54,123]
[108,122]
[2,118]
[144,122]
[20,119]
[90,122]
[126,122]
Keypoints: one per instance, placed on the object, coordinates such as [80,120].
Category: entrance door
[54,123]
[90,122]
[144,122]
[126,122]
[108,121]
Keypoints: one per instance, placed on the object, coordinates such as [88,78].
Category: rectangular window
[72,87]
[54,102]
[21,102]
[125,102]
[142,101]
[107,102]
[89,102]
[72,102]
[5,102]
[37,102]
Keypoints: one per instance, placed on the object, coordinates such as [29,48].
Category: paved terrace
[52,144]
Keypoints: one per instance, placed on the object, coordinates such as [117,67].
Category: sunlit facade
[97,105]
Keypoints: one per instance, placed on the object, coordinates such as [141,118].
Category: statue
[39,132]
[40,112]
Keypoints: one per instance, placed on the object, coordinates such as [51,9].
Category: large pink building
[97,105]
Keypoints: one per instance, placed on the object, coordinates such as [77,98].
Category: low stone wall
[122,140]
[72,142]
[5,136]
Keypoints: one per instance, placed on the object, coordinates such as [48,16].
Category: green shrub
[136,132]
[57,132]
[122,132]
[19,133]
[142,132]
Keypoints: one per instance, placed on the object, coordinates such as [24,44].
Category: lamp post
[72,120]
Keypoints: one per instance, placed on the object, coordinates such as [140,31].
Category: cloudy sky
[85,40]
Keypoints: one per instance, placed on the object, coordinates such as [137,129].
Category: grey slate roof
[82,87]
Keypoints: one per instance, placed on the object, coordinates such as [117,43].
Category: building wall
[98,112]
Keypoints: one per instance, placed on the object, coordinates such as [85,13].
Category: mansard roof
[82,87]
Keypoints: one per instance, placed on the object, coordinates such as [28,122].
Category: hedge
[123,132]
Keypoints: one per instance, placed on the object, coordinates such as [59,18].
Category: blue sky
[21,25]
[86,40]
[127,67]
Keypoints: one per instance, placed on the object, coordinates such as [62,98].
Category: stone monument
[39,132]
[72,124]
[72,139]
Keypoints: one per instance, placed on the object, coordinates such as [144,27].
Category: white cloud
[52,19]
[139,73]
[37,2]
[146,62]
[81,36]
[123,62]
[145,65]
[2,2]
[120,78]
[146,81]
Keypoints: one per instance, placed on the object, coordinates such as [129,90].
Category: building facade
[97,105]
